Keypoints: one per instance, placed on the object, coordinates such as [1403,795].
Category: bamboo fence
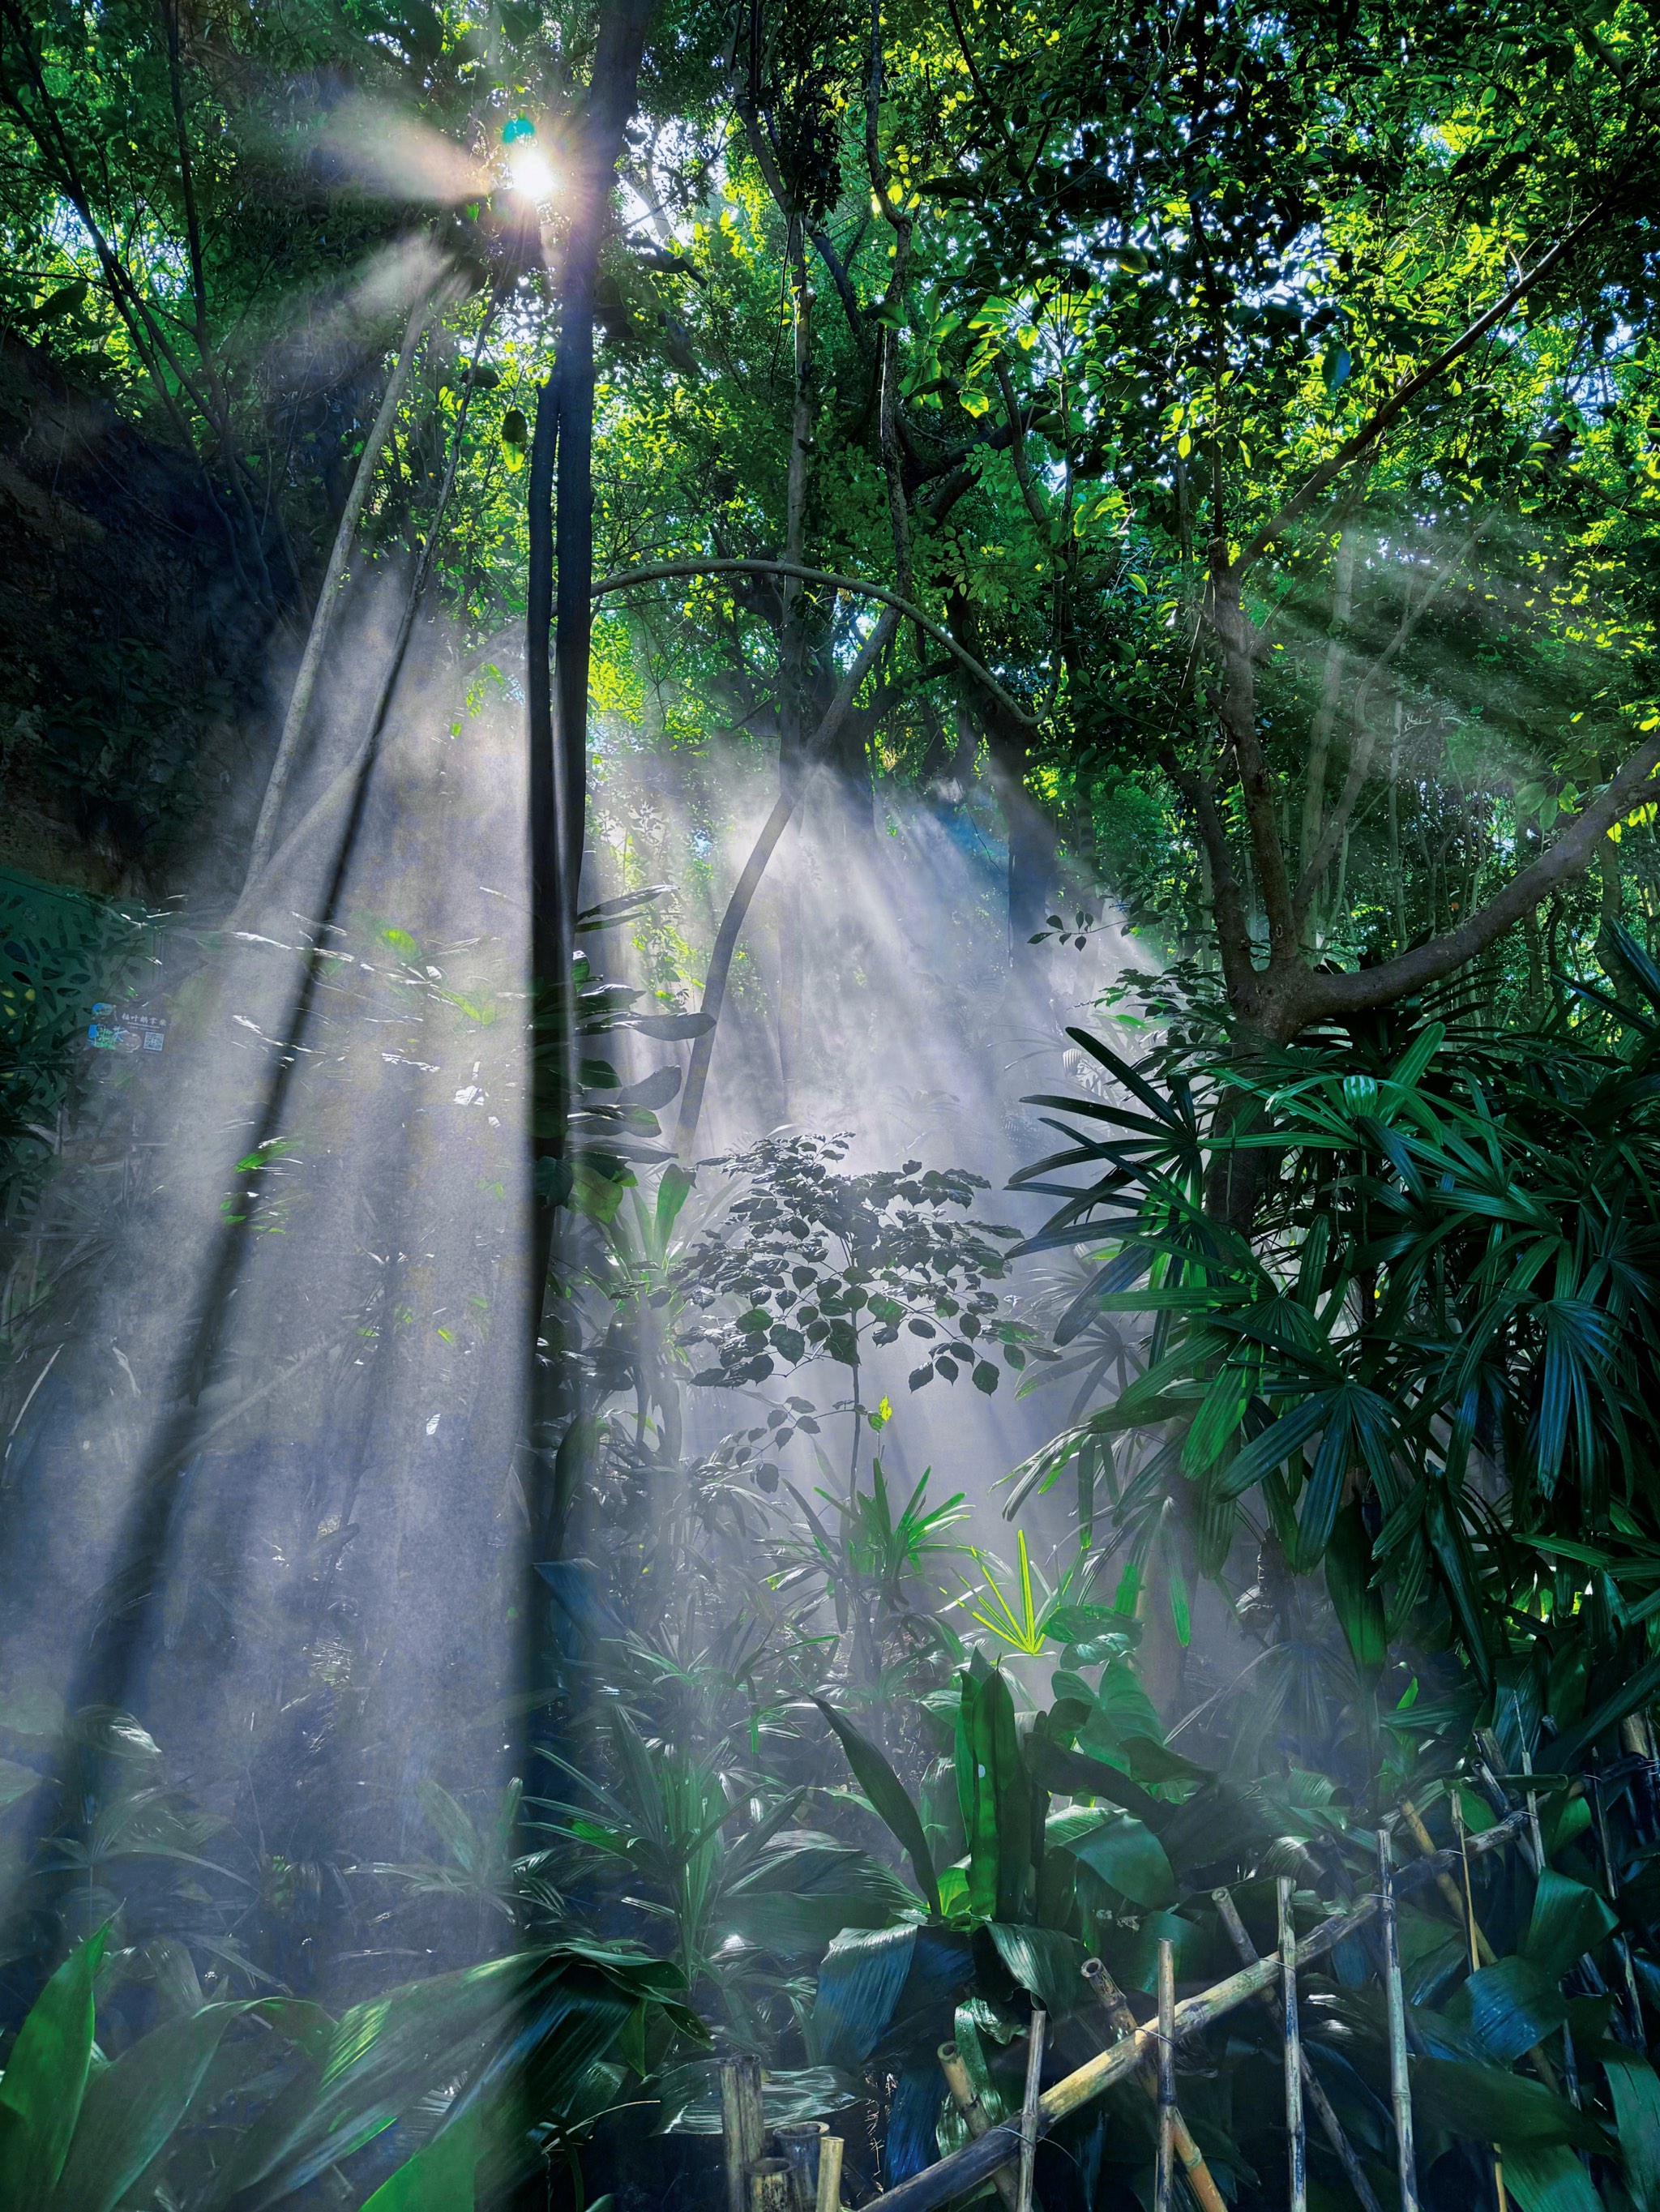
[1001,2145]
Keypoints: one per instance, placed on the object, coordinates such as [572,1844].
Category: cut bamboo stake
[1029,2107]
[966,2169]
[769,2186]
[1313,2094]
[1444,1883]
[975,2118]
[1481,1952]
[1116,2005]
[1621,1949]
[1166,2074]
[1296,2142]
[742,2129]
[1399,2083]
[1470,1922]
[798,2144]
[830,2174]
[1533,1806]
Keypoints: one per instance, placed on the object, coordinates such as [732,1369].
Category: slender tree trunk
[791,790]
[1314,789]
[322,620]
[557,697]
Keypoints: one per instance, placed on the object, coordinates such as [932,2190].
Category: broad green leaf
[859,1985]
[994,1792]
[1508,2008]
[1359,1607]
[1129,1857]
[1045,1963]
[132,2107]
[15,1781]
[45,2079]
[1568,1920]
[1489,2104]
[889,1799]
[439,2178]
[1549,2178]
[1636,2094]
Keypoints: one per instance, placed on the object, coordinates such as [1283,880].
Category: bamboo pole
[769,2186]
[798,2143]
[830,2174]
[1166,2170]
[1469,1920]
[1481,1952]
[1399,2083]
[1313,2094]
[966,2169]
[1297,2150]
[1029,2107]
[975,2118]
[1113,2004]
[1621,1948]
[742,2129]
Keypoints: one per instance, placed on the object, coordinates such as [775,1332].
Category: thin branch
[792,787]
[664,571]
[1405,392]
[311,661]
[1635,786]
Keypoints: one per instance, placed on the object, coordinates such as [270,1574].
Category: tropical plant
[502,2066]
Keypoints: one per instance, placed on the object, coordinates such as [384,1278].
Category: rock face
[133,657]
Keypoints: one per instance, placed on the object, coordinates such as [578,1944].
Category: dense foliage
[1201,464]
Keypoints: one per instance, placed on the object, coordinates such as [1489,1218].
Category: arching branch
[665,571]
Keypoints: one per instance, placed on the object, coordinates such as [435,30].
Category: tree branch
[792,786]
[1635,786]
[1227,899]
[665,571]
[1404,393]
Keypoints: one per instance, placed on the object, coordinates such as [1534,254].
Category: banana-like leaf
[994,1793]
[1636,2093]
[858,1986]
[45,2080]
[888,1798]
[1489,2105]
[1508,2008]
[1549,2178]
[1568,1920]
[439,2178]
[132,2108]
[556,2011]
[1045,1963]
[1359,1607]
[1131,1859]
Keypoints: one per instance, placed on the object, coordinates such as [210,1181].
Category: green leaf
[994,1792]
[887,1799]
[1635,1691]
[1489,2105]
[860,1980]
[15,1781]
[132,2107]
[1045,1963]
[1549,2178]
[1636,2094]
[1568,1920]
[46,2078]
[1508,2008]
[1130,1858]
[439,2178]
[1359,1607]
